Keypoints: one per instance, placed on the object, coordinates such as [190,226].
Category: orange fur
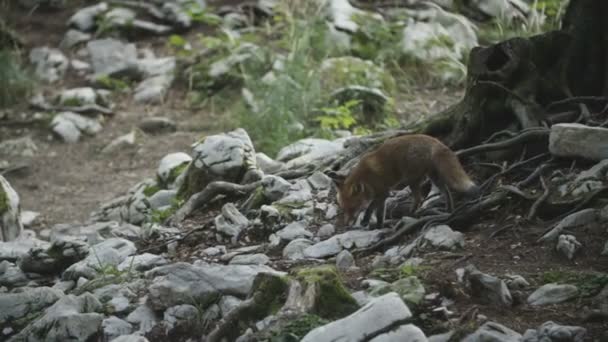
[404,160]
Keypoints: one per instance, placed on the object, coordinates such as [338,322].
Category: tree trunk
[510,85]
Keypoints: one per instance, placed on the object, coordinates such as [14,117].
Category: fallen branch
[200,199]
[90,108]
[578,99]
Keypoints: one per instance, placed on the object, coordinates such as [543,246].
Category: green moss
[589,284]
[150,190]
[176,171]
[270,293]
[111,83]
[333,300]
[3,201]
[72,102]
[410,289]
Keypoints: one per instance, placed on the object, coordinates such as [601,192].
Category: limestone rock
[553,294]
[10,213]
[577,140]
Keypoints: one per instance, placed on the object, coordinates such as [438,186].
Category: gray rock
[267,164]
[50,64]
[150,67]
[302,147]
[64,285]
[57,257]
[410,289]
[119,16]
[586,181]
[224,156]
[319,181]
[577,140]
[326,231]
[16,249]
[275,187]
[28,218]
[130,338]
[84,19]
[605,251]
[168,166]
[295,230]
[10,213]
[110,252]
[379,314]
[157,125]
[345,261]
[153,90]
[553,294]
[250,259]
[515,281]
[19,147]
[335,244]
[576,219]
[316,153]
[73,38]
[404,333]
[95,232]
[142,262]
[11,275]
[228,303]
[70,318]
[78,96]
[231,222]
[507,10]
[114,327]
[162,199]
[295,249]
[112,57]
[568,245]
[144,318]
[123,142]
[180,314]
[487,288]
[491,331]
[550,331]
[19,305]
[442,237]
[70,126]
[182,283]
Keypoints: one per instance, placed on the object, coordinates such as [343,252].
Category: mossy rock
[225,66]
[410,289]
[150,190]
[332,299]
[349,78]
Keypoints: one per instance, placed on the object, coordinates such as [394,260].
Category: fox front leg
[380,211]
[368,213]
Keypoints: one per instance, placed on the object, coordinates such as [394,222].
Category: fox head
[353,197]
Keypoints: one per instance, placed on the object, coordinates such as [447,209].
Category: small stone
[228,303]
[157,125]
[550,331]
[442,237]
[123,142]
[50,64]
[231,222]
[295,230]
[345,261]
[84,19]
[250,259]
[553,294]
[326,231]
[74,37]
[568,245]
[491,331]
[487,288]
[295,249]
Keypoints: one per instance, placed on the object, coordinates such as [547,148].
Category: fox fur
[404,160]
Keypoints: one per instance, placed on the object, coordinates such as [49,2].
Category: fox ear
[338,179]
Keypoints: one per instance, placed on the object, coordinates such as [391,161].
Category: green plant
[15,82]
[588,284]
[340,117]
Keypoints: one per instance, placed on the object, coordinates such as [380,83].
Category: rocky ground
[103,174]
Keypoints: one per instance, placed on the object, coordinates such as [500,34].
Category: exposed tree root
[212,190]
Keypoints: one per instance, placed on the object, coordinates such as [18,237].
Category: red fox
[405,160]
